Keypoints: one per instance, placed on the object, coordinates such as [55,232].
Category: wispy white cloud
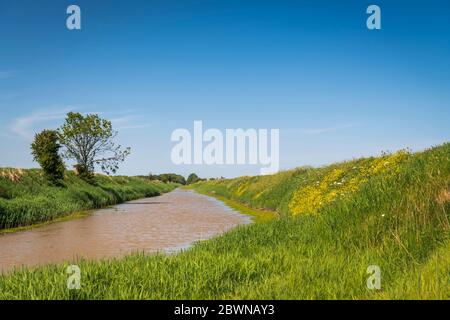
[123,119]
[138,126]
[26,126]
[316,131]
[128,122]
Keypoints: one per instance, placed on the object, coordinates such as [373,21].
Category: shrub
[45,149]
[193,178]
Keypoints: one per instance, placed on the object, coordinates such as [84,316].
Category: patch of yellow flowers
[343,180]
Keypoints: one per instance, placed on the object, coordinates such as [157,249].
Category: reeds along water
[26,197]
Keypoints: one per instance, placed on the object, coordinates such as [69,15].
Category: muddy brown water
[169,222]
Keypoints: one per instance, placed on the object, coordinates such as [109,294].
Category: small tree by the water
[45,151]
[89,140]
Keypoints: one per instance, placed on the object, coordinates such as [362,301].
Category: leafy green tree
[89,140]
[193,178]
[45,151]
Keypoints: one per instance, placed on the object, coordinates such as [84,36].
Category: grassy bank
[26,198]
[257,215]
[391,211]
[305,190]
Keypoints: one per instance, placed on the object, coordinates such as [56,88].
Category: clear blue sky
[335,89]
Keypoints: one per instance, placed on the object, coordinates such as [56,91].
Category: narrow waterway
[165,223]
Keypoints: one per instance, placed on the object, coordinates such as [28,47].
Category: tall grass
[397,219]
[26,197]
[305,190]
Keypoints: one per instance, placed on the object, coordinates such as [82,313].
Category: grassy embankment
[335,221]
[258,215]
[26,198]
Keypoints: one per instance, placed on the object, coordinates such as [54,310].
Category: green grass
[60,218]
[359,213]
[257,215]
[26,198]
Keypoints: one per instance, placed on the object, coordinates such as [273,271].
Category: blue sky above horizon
[335,89]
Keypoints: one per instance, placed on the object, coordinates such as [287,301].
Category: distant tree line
[168,177]
[173,177]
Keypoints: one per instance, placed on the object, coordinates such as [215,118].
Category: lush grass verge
[393,216]
[257,215]
[305,190]
[26,198]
